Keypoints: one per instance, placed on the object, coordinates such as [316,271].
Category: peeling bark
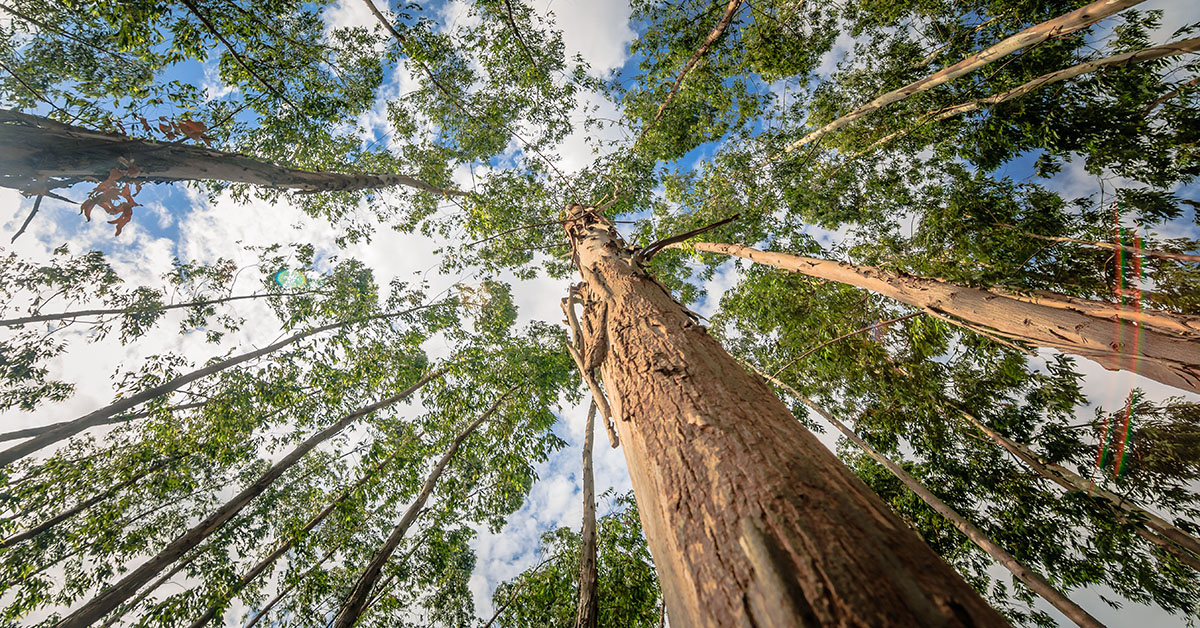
[1160,345]
[750,519]
[36,150]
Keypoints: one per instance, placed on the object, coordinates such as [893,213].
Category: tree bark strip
[1031,578]
[254,572]
[588,613]
[1074,482]
[1128,58]
[36,150]
[110,598]
[1162,346]
[1062,25]
[356,601]
[750,519]
[103,415]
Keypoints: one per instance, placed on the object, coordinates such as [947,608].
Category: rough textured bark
[356,602]
[1147,54]
[751,520]
[1062,25]
[1074,482]
[35,151]
[1031,578]
[1162,346]
[112,597]
[257,570]
[588,613]
[68,429]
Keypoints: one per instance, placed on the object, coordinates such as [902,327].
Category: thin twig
[513,230]
[36,205]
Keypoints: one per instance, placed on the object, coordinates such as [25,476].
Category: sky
[179,222]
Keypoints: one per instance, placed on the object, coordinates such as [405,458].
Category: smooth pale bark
[588,613]
[78,508]
[1074,482]
[1062,25]
[58,316]
[115,595]
[68,429]
[1162,346]
[257,570]
[1032,579]
[750,519]
[35,151]
[1146,54]
[42,429]
[356,602]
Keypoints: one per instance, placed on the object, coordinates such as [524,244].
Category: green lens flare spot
[288,278]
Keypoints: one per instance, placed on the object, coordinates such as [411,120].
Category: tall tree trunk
[1162,346]
[1068,23]
[103,415]
[1074,482]
[1031,579]
[110,598]
[58,316]
[42,429]
[1127,58]
[356,601]
[37,151]
[262,565]
[588,613]
[750,519]
[81,506]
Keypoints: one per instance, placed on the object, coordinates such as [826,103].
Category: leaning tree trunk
[750,519]
[42,429]
[40,153]
[1031,578]
[58,316]
[1074,482]
[68,429]
[112,597]
[588,613]
[356,601]
[1080,18]
[1162,346]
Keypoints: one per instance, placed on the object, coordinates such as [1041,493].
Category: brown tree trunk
[1057,27]
[355,604]
[1162,346]
[1031,578]
[750,519]
[36,151]
[588,613]
[68,429]
[112,597]
[1074,482]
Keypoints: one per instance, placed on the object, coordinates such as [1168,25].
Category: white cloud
[599,31]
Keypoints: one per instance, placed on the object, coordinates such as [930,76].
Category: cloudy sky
[179,223]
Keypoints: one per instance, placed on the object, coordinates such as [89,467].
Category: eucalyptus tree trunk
[68,429]
[750,519]
[1032,579]
[58,316]
[588,613]
[42,429]
[1160,345]
[39,152]
[1071,481]
[259,568]
[110,598]
[356,602]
